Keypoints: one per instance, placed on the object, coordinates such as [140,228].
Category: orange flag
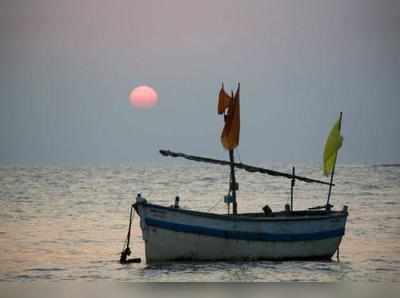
[231,131]
[224,100]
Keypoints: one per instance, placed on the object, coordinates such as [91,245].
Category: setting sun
[143,97]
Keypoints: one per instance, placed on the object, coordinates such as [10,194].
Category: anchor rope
[126,244]
[130,225]
[126,251]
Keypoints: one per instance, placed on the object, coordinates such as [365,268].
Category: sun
[143,97]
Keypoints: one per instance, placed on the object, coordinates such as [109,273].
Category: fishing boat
[172,233]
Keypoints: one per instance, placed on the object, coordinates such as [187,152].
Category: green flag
[332,146]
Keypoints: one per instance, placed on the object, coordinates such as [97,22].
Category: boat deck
[290,213]
[284,215]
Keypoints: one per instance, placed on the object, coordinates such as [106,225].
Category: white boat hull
[173,234]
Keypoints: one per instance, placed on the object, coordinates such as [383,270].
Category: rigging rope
[215,205]
[238,154]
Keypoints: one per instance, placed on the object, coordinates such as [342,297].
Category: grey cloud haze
[68,67]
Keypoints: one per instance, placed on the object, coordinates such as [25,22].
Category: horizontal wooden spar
[248,168]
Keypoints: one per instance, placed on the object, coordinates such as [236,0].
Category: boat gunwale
[246,217]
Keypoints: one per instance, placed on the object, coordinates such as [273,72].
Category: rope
[217,202]
[238,153]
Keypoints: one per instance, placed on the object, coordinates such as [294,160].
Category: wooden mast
[233,184]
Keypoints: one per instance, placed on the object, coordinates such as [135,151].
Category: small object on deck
[176,202]
[267,210]
[235,186]
[139,198]
[321,207]
[287,208]
[228,199]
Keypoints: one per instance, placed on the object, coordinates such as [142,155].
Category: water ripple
[70,224]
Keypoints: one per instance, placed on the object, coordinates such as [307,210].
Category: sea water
[71,223]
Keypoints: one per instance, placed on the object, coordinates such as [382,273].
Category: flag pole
[291,189]
[333,170]
[330,186]
[233,185]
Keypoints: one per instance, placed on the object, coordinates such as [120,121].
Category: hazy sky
[67,68]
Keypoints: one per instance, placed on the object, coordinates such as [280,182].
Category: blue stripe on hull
[239,235]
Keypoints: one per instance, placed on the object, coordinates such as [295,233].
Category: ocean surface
[71,223]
